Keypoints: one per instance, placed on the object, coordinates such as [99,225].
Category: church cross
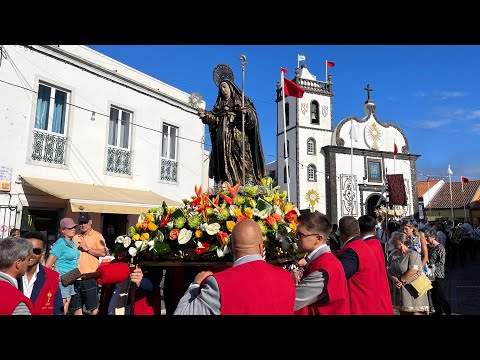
[368,88]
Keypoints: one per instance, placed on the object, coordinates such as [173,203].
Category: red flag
[395,149]
[464,180]
[330,63]
[292,89]
[283,70]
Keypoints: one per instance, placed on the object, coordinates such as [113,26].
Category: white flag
[450,172]
[301,57]
[353,132]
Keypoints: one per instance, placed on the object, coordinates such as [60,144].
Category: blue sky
[430,91]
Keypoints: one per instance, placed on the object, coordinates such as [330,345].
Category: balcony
[49,147]
[168,170]
[118,160]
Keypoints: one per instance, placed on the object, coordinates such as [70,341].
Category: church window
[314,114]
[285,174]
[311,146]
[287,114]
[312,172]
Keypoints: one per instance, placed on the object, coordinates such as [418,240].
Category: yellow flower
[288,207]
[149,217]
[136,237]
[249,213]
[145,236]
[198,233]
[230,225]
[137,225]
[237,212]
[253,203]
[152,226]
[293,226]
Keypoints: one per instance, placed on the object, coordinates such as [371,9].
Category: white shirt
[310,256]
[28,285]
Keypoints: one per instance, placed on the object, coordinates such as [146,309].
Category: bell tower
[308,128]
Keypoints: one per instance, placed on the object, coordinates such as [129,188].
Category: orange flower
[277,217]
[271,220]
[174,234]
[241,217]
[198,233]
[222,237]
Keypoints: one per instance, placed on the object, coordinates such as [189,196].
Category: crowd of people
[360,267]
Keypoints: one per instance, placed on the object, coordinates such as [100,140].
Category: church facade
[339,170]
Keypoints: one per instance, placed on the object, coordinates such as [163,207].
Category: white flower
[132,251]
[170,225]
[220,253]
[150,245]
[184,236]
[211,229]
[160,235]
[138,244]
[261,214]
[119,239]
[126,242]
[200,245]
[226,250]
[141,217]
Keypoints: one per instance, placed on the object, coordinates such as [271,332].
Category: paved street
[463,287]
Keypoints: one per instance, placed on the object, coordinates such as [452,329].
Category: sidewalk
[463,287]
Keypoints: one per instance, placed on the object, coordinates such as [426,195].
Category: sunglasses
[37,251]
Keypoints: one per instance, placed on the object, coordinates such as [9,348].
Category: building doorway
[113,226]
[371,204]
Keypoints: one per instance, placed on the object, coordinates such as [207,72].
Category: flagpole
[429,198]
[394,157]
[285,137]
[451,197]
[351,156]
[464,209]
[326,67]
[244,62]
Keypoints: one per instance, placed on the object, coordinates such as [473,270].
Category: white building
[82,132]
[328,171]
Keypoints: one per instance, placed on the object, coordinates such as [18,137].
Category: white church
[329,171]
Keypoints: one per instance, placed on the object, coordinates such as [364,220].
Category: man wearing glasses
[15,254]
[92,246]
[323,289]
[40,284]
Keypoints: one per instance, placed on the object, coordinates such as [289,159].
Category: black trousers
[439,299]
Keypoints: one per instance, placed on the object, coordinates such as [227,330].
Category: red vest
[383,286]
[337,288]
[44,303]
[147,303]
[363,286]
[256,288]
[11,297]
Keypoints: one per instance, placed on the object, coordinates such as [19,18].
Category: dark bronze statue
[225,126]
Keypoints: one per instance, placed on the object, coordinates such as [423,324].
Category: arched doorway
[370,204]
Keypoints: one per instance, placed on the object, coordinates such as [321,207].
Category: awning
[101,199]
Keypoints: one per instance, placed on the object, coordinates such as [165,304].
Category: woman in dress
[403,266]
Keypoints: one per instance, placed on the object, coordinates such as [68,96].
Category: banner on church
[396,190]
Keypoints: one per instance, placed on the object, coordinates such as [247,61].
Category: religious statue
[228,160]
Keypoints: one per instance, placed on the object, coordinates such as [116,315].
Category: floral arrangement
[201,228]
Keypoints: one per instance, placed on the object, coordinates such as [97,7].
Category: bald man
[250,287]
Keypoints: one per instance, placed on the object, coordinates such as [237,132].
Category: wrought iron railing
[168,170]
[118,160]
[49,147]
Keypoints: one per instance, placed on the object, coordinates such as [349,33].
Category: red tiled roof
[441,200]
[423,186]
